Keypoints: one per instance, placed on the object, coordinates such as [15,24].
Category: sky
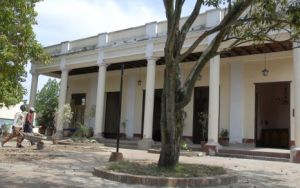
[67,20]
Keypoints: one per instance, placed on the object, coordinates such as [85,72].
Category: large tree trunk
[171,118]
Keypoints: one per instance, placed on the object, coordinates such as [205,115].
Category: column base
[295,155]
[58,135]
[98,137]
[116,156]
[211,148]
[145,143]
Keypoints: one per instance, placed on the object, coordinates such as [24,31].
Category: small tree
[244,21]
[47,102]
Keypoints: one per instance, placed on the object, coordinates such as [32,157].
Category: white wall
[280,70]
[9,113]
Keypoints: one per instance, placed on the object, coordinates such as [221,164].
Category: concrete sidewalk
[71,166]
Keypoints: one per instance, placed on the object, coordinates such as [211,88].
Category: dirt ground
[72,166]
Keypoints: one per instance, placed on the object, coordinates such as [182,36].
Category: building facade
[232,91]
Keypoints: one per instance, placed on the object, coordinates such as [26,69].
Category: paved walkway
[69,166]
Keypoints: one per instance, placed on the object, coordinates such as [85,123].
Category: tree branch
[237,9]
[188,23]
[169,8]
[224,23]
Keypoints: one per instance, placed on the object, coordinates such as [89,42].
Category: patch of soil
[181,170]
[30,153]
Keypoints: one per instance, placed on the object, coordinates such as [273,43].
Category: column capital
[65,69]
[33,72]
[296,44]
[151,59]
[103,64]
[33,69]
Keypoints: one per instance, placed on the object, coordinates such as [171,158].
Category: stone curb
[75,143]
[225,179]
[182,153]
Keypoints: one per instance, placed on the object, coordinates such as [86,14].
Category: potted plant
[42,129]
[124,123]
[224,137]
[64,119]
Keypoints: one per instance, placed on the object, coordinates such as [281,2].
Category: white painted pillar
[62,99]
[146,142]
[213,115]
[149,99]
[33,89]
[130,104]
[100,107]
[236,103]
[296,55]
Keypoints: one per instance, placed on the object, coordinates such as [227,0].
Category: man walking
[17,127]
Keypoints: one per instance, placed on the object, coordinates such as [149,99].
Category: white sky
[66,20]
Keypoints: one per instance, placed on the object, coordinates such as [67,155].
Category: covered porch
[226,90]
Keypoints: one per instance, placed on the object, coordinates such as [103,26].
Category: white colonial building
[263,109]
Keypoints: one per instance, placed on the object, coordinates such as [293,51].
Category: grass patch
[181,170]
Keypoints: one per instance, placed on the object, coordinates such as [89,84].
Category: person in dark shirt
[29,122]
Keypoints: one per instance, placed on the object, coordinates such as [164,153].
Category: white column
[33,89]
[130,104]
[62,99]
[296,55]
[236,102]
[149,99]
[213,116]
[99,120]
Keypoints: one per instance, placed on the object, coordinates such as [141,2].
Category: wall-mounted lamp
[199,77]
[139,82]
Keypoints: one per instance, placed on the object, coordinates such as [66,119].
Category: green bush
[82,131]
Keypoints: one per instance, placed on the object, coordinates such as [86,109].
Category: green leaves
[17,45]
[47,102]
[265,20]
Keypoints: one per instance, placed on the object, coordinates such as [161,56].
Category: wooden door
[156,134]
[272,114]
[200,129]
[112,114]
[78,108]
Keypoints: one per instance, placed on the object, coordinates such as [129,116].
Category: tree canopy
[254,21]
[17,47]
[47,102]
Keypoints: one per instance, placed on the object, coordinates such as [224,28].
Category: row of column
[149,99]
[214,83]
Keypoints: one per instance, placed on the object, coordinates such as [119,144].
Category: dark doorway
[200,116]
[78,101]
[112,117]
[156,134]
[272,114]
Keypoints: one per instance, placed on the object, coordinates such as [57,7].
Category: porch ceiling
[238,51]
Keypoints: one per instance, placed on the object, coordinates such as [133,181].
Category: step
[242,156]
[122,145]
[182,153]
[114,141]
[274,154]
